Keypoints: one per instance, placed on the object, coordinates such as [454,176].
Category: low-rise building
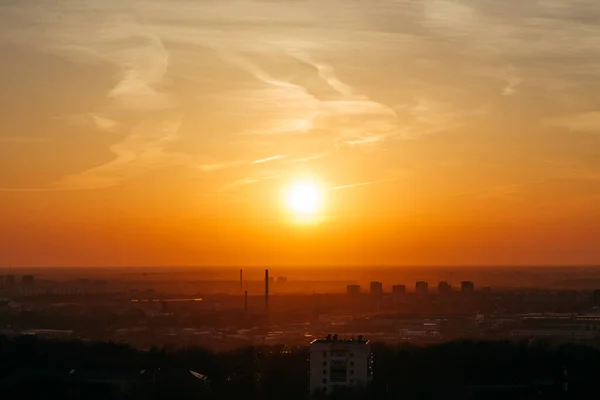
[339,363]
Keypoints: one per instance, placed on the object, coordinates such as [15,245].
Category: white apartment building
[339,363]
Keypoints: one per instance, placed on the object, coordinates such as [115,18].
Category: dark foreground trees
[33,368]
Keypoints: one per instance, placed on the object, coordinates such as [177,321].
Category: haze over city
[303,133]
[299,199]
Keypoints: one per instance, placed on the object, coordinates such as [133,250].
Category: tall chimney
[246,301]
[241,280]
[266,290]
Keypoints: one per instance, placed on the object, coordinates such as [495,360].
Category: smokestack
[266,290]
[246,301]
[241,280]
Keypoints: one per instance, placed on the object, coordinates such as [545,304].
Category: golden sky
[162,132]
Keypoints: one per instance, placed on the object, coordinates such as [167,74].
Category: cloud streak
[273,158]
[299,78]
[359,184]
[137,107]
[142,150]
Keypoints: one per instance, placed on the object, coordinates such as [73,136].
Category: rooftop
[344,340]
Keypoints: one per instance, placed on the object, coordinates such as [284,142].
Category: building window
[324,381]
[352,363]
[324,372]
[324,363]
[351,372]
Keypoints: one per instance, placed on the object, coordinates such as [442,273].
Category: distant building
[486,289]
[376,288]
[28,279]
[444,287]
[596,297]
[353,289]
[467,287]
[398,289]
[10,279]
[421,287]
[281,283]
[339,363]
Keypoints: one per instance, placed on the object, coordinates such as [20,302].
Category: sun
[304,198]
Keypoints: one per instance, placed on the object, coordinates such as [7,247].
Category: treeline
[44,369]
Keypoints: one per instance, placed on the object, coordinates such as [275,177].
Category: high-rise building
[376,288]
[399,289]
[353,289]
[421,287]
[444,287]
[467,286]
[339,363]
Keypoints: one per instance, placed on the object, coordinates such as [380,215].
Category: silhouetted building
[398,289]
[353,289]
[421,287]
[339,363]
[100,285]
[486,289]
[10,279]
[444,287]
[467,286]
[266,290]
[28,279]
[596,297]
[376,288]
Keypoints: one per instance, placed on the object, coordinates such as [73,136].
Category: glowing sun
[304,198]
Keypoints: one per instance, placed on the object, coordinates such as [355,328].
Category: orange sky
[161,132]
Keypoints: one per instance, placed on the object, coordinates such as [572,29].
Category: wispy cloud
[584,122]
[359,184]
[137,107]
[97,120]
[327,73]
[308,158]
[512,82]
[220,166]
[257,177]
[142,150]
[273,158]
[319,75]
[237,163]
